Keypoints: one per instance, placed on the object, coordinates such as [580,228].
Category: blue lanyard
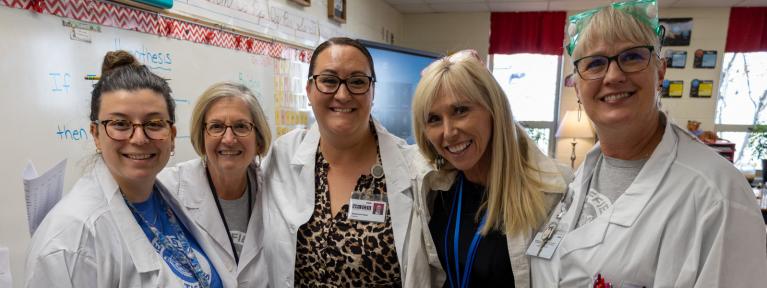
[461,279]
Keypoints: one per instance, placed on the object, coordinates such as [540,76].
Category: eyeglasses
[630,60]
[330,83]
[120,130]
[240,129]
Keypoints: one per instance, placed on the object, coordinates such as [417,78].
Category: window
[531,82]
[742,100]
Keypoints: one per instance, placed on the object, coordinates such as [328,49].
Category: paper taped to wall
[5,268]
[42,192]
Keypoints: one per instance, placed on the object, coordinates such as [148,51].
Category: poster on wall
[705,59]
[678,31]
[701,88]
[672,89]
[675,58]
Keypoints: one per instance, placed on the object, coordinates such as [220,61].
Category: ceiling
[453,6]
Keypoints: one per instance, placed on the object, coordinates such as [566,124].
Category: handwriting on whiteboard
[59,82]
[71,134]
[250,81]
[155,60]
[252,7]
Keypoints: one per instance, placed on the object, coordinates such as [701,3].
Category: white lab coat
[188,183]
[91,239]
[551,174]
[689,219]
[289,174]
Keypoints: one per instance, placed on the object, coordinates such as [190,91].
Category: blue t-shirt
[153,212]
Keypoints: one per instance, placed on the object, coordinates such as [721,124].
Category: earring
[98,151]
[580,108]
[439,162]
[172,153]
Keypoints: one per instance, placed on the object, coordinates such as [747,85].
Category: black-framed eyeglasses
[634,59]
[330,83]
[120,130]
[240,129]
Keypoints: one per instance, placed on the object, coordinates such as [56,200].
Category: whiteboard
[45,101]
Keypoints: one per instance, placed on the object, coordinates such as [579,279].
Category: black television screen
[398,71]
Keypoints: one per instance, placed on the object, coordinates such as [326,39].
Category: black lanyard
[221,211]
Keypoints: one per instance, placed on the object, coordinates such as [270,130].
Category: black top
[492,267]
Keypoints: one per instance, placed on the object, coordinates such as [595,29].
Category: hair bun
[117,59]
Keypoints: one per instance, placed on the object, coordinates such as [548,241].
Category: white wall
[366,19]
[445,33]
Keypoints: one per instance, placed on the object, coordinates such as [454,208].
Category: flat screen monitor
[398,71]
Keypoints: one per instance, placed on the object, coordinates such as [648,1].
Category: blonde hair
[610,25]
[224,90]
[514,201]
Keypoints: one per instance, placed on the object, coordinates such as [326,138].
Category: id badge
[545,250]
[365,207]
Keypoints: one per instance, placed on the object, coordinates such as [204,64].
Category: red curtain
[748,30]
[527,32]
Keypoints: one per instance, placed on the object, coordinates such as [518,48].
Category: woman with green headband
[651,206]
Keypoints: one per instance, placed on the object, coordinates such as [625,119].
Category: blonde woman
[492,186]
[651,206]
[222,189]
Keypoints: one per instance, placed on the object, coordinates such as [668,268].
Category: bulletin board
[50,46]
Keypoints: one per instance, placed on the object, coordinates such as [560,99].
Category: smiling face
[460,132]
[341,114]
[138,158]
[229,153]
[620,99]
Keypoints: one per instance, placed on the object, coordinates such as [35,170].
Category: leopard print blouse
[334,251]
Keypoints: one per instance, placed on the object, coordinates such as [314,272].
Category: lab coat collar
[627,208]
[307,150]
[396,171]
[399,180]
[195,194]
[629,205]
[126,223]
[255,234]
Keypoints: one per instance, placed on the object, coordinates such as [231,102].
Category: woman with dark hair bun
[118,227]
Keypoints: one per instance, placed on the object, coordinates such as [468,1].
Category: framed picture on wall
[701,88]
[672,89]
[705,59]
[304,3]
[675,58]
[337,10]
[678,31]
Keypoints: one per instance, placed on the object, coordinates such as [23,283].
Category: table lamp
[572,127]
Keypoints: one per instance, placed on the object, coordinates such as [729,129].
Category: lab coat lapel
[139,247]
[197,197]
[304,161]
[255,233]
[629,205]
[594,232]
[398,184]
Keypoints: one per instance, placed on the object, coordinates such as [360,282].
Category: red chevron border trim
[129,18]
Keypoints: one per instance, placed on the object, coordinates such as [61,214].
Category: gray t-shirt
[236,214]
[611,178]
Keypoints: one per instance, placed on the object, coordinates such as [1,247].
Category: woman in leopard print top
[312,174]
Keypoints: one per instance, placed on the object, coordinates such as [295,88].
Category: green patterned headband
[645,11]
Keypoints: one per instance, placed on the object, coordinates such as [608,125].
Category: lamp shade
[570,127]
